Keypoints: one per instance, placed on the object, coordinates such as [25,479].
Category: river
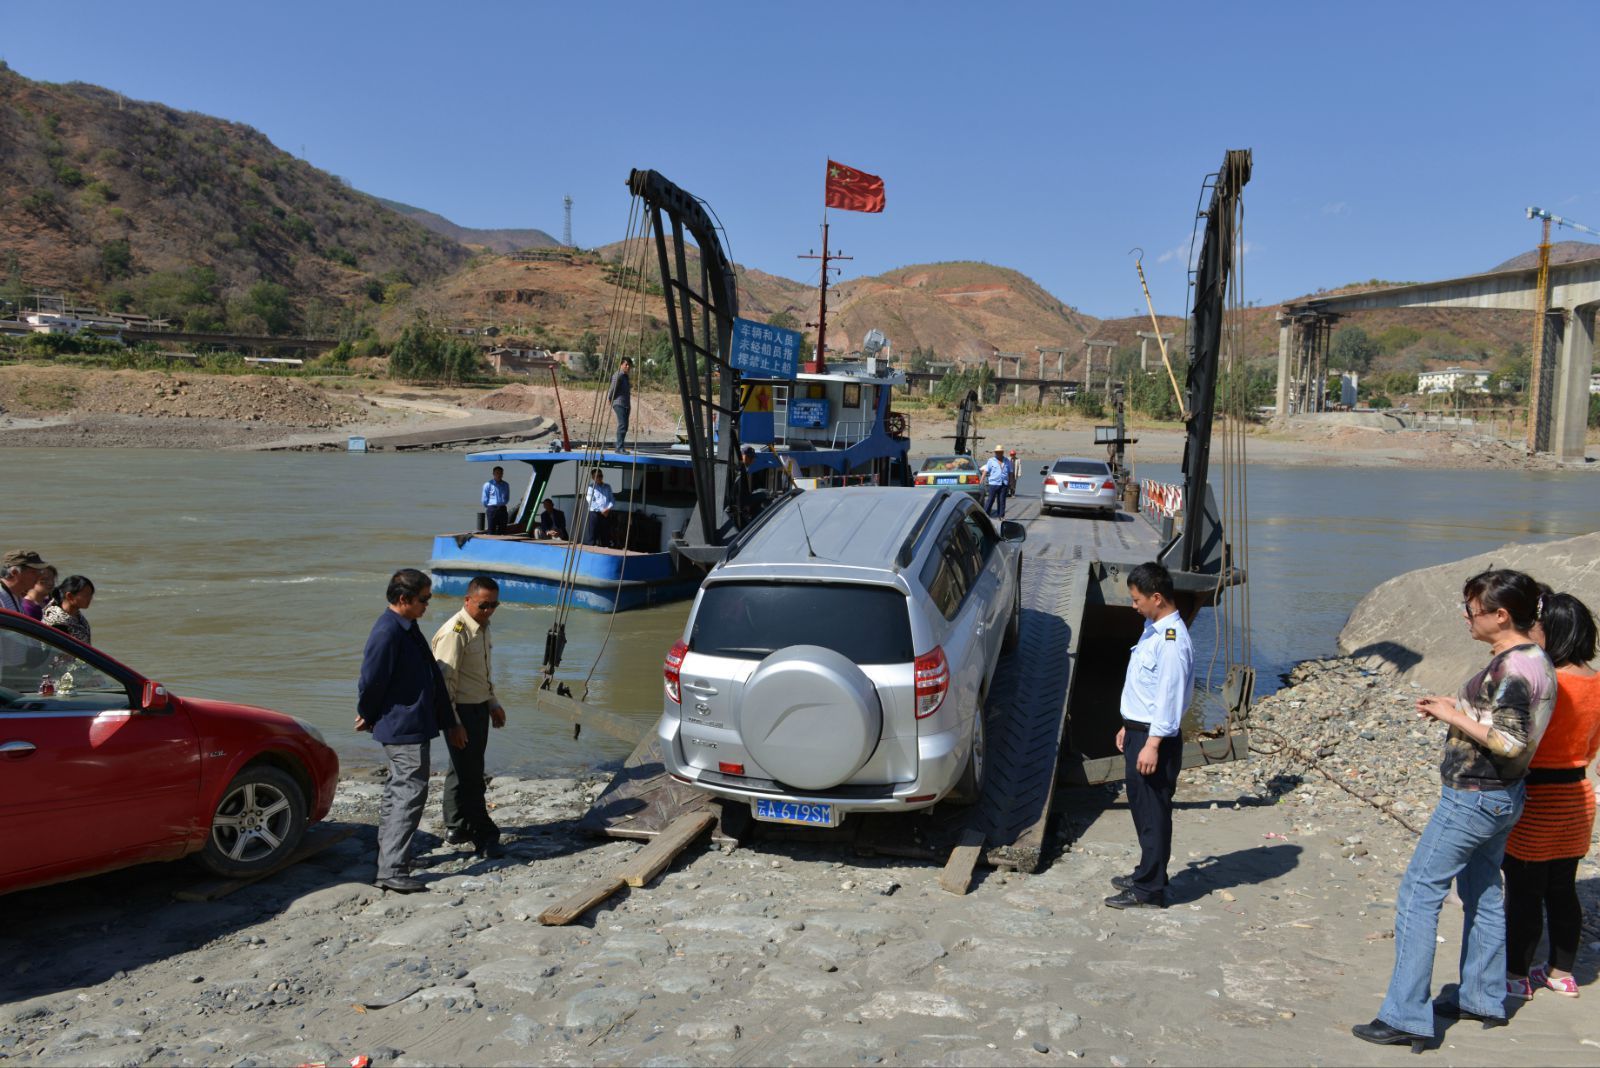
[255,576]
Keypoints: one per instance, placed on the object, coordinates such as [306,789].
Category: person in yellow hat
[996,483]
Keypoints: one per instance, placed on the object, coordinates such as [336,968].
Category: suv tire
[969,788]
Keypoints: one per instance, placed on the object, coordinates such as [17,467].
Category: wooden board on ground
[643,800]
[585,898]
[317,839]
[956,878]
[653,859]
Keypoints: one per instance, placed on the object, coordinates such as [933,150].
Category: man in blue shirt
[600,501]
[496,495]
[403,700]
[997,482]
[1155,693]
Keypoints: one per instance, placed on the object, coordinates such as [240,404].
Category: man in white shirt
[1155,693]
[600,500]
[996,475]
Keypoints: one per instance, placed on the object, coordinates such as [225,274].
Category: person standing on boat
[997,482]
[402,699]
[600,500]
[462,648]
[496,495]
[1155,693]
[621,397]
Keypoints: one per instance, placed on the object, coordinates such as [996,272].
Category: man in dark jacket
[621,397]
[403,701]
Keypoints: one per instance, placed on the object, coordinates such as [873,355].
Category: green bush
[1594,409]
[1089,406]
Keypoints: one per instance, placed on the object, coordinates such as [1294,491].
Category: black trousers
[1150,801]
[494,518]
[465,812]
[622,411]
[1536,891]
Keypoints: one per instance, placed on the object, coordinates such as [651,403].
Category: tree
[116,259]
[1351,349]
[268,302]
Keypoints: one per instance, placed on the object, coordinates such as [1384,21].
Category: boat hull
[531,573]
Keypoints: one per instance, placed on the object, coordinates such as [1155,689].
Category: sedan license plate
[945,480]
[811,813]
[1079,486]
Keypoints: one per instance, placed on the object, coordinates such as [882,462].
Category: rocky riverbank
[1277,938]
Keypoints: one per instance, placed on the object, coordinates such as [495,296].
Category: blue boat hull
[531,573]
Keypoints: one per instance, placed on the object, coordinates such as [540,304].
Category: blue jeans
[994,500]
[1464,840]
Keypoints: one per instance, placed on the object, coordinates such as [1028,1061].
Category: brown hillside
[498,240]
[97,193]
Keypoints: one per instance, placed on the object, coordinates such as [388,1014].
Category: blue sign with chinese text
[808,413]
[763,351]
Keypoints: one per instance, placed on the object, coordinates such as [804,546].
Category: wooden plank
[957,875]
[653,859]
[316,840]
[586,898]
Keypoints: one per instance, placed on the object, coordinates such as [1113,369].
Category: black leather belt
[1543,776]
[1135,725]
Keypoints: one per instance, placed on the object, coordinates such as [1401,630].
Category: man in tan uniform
[462,648]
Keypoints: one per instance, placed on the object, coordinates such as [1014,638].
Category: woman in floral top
[66,607]
[1495,724]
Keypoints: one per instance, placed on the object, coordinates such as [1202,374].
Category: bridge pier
[1571,395]
[1285,345]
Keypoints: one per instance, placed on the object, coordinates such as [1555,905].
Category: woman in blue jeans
[1495,723]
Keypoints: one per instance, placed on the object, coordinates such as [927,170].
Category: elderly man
[462,648]
[19,573]
[404,702]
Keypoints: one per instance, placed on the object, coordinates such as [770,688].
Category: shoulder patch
[1172,633]
[460,626]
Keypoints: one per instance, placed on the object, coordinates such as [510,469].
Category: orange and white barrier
[1160,498]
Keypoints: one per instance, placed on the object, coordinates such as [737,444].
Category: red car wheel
[258,823]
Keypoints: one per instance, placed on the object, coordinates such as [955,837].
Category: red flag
[851,189]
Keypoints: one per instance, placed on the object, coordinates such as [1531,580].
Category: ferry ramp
[1036,737]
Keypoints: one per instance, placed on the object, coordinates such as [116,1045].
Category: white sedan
[1074,482]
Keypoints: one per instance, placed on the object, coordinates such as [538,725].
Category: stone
[601,1008]
[889,1004]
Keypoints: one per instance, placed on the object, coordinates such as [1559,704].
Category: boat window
[1087,468]
[751,620]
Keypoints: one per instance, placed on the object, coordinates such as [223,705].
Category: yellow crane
[1541,309]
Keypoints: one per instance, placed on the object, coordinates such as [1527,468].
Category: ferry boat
[832,427]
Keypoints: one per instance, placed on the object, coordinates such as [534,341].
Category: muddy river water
[255,577]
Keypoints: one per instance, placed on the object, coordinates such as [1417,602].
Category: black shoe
[1130,899]
[488,850]
[1380,1033]
[457,837]
[401,884]
[1122,882]
[1451,1010]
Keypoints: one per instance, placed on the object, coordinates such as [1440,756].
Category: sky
[1400,141]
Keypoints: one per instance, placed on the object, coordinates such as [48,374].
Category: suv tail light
[671,669]
[933,680]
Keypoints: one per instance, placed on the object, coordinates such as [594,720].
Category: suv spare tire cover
[810,717]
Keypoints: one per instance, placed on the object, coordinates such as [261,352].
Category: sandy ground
[44,406]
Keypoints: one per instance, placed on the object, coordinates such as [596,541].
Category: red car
[101,768]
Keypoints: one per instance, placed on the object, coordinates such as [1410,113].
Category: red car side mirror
[155,698]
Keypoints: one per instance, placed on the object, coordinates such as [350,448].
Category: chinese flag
[851,189]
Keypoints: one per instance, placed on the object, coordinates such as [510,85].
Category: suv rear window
[751,620]
[1080,467]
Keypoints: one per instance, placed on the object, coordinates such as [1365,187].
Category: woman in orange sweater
[1542,854]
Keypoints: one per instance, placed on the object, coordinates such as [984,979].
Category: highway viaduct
[1566,361]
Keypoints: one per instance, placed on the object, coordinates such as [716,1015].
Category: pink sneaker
[1520,988]
[1566,986]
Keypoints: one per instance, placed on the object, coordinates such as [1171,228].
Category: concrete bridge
[1561,391]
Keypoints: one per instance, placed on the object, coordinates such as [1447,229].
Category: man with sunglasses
[462,648]
[402,699]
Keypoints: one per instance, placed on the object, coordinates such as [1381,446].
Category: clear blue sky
[1391,140]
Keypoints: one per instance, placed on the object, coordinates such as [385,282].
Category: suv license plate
[811,814]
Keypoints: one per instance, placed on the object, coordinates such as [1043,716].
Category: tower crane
[1536,366]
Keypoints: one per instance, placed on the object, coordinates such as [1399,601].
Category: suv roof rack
[908,548]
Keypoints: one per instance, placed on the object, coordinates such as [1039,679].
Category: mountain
[493,240]
[136,204]
[1560,252]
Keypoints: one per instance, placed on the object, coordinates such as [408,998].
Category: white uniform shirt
[1160,677]
[599,497]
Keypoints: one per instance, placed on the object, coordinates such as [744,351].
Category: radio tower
[566,229]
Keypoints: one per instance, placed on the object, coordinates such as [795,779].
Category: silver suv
[838,659]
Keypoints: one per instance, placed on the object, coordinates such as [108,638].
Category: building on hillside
[507,360]
[1453,379]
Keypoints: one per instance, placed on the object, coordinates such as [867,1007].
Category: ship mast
[819,359]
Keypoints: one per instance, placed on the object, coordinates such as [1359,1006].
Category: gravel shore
[1277,938]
